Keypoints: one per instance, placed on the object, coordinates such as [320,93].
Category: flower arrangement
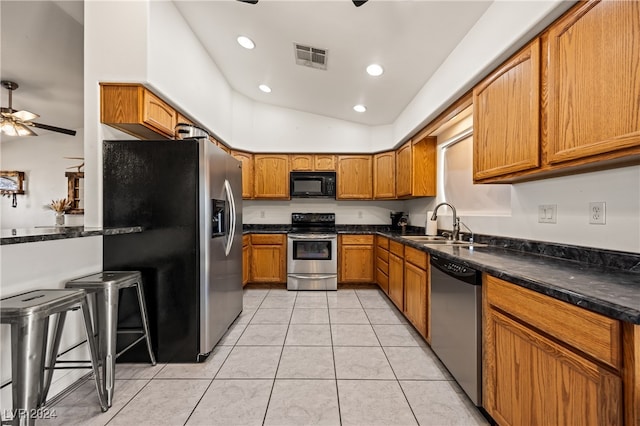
[60,206]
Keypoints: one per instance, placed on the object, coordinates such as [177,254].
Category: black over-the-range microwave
[312,184]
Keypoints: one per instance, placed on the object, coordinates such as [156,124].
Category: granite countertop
[602,281]
[30,235]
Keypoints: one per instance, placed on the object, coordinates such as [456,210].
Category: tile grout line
[275,374]
[333,356]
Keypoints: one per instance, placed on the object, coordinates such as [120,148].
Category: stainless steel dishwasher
[456,323]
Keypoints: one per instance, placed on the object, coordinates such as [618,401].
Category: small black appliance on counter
[398,220]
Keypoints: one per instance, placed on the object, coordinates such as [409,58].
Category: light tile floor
[292,358]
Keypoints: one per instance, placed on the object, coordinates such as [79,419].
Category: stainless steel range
[312,250]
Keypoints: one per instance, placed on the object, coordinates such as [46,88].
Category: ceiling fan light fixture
[359,108]
[265,88]
[246,42]
[11,128]
[375,70]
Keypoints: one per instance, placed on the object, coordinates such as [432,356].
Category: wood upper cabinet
[384,174]
[271,176]
[246,259]
[396,274]
[268,258]
[532,378]
[137,111]
[356,255]
[181,119]
[355,177]
[506,111]
[247,172]
[593,88]
[417,289]
[324,162]
[312,162]
[416,168]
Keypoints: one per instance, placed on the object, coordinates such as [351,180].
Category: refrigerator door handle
[232,214]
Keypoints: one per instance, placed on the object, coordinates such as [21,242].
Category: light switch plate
[547,213]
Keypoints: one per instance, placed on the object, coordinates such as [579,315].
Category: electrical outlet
[597,213]
[547,213]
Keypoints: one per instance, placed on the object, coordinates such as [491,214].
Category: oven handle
[312,277]
[313,237]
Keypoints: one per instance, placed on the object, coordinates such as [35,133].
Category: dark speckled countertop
[31,235]
[602,281]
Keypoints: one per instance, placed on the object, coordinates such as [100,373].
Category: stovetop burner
[313,222]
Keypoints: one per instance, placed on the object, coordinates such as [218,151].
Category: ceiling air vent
[310,56]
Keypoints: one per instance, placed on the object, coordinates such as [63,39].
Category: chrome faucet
[455,235]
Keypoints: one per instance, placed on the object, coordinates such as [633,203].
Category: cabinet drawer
[382,265]
[246,240]
[396,248]
[357,239]
[417,257]
[382,254]
[589,332]
[267,239]
[382,278]
[382,242]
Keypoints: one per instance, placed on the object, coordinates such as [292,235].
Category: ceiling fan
[357,3]
[17,123]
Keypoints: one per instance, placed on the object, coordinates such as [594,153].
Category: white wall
[42,160]
[347,212]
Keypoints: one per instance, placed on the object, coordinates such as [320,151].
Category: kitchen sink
[453,243]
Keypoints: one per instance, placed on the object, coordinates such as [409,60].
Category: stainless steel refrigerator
[187,197]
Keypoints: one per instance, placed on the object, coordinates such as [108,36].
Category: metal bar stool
[106,286]
[31,366]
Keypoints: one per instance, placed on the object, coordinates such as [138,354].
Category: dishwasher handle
[456,270]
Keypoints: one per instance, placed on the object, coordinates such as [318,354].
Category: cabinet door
[396,280]
[416,295]
[356,259]
[158,114]
[268,258]
[301,162]
[384,173]
[592,81]
[354,177]
[506,111]
[247,172]
[403,170]
[246,259]
[324,162]
[271,176]
[534,380]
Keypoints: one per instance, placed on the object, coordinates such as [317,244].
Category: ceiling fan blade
[54,129]
[359,3]
[25,115]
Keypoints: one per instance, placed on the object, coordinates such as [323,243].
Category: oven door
[312,254]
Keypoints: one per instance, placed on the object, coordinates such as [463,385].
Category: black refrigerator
[187,197]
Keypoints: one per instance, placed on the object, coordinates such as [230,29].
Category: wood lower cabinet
[506,112]
[271,176]
[417,289]
[137,111]
[355,177]
[547,361]
[384,175]
[355,259]
[246,159]
[382,263]
[396,274]
[246,259]
[268,258]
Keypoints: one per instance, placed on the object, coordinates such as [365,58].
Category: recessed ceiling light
[265,88]
[360,108]
[375,70]
[246,42]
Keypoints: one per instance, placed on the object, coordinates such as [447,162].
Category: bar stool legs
[145,321]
